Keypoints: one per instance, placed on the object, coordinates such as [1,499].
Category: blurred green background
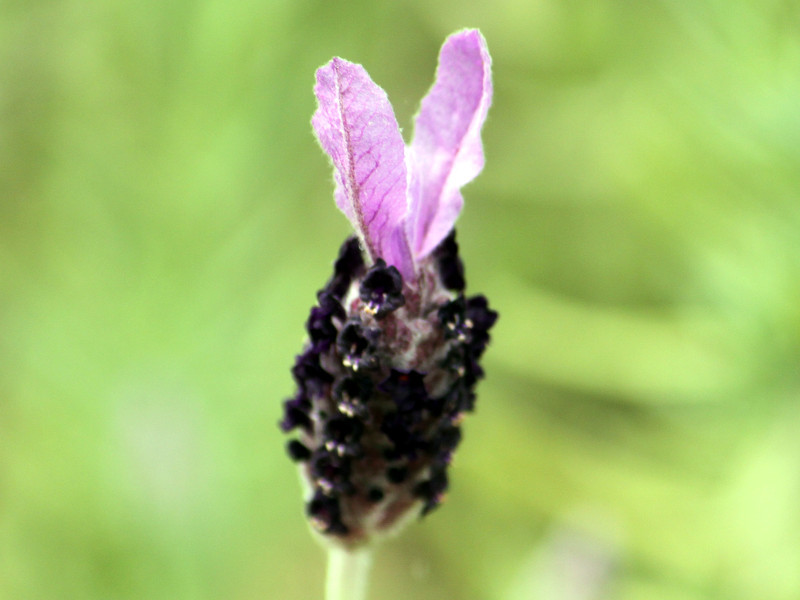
[166,217]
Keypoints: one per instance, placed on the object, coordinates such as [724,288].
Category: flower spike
[394,345]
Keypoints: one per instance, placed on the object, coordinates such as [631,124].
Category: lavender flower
[393,346]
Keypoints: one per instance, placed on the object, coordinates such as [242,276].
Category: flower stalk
[348,573]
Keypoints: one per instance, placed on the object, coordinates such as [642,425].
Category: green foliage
[166,218]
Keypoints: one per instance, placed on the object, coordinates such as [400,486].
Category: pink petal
[356,126]
[447,152]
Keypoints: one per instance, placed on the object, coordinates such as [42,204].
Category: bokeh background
[166,218]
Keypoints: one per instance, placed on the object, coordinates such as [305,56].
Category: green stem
[348,571]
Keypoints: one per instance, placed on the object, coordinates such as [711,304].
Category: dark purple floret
[472,371]
[331,472]
[481,318]
[382,289]
[298,451]
[355,387]
[452,316]
[399,430]
[309,374]
[296,413]
[351,395]
[462,393]
[451,269]
[347,267]
[342,435]
[357,344]
[444,442]
[432,489]
[407,390]
[464,360]
[326,514]
[320,324]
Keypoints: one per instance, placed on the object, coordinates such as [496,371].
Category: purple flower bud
[391,360]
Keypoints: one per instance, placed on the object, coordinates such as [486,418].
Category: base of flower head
[383,383]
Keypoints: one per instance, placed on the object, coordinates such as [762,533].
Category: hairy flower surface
[393,346]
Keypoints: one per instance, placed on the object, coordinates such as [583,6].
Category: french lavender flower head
[391,360]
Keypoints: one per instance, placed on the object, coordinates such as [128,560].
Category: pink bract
[404,200]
